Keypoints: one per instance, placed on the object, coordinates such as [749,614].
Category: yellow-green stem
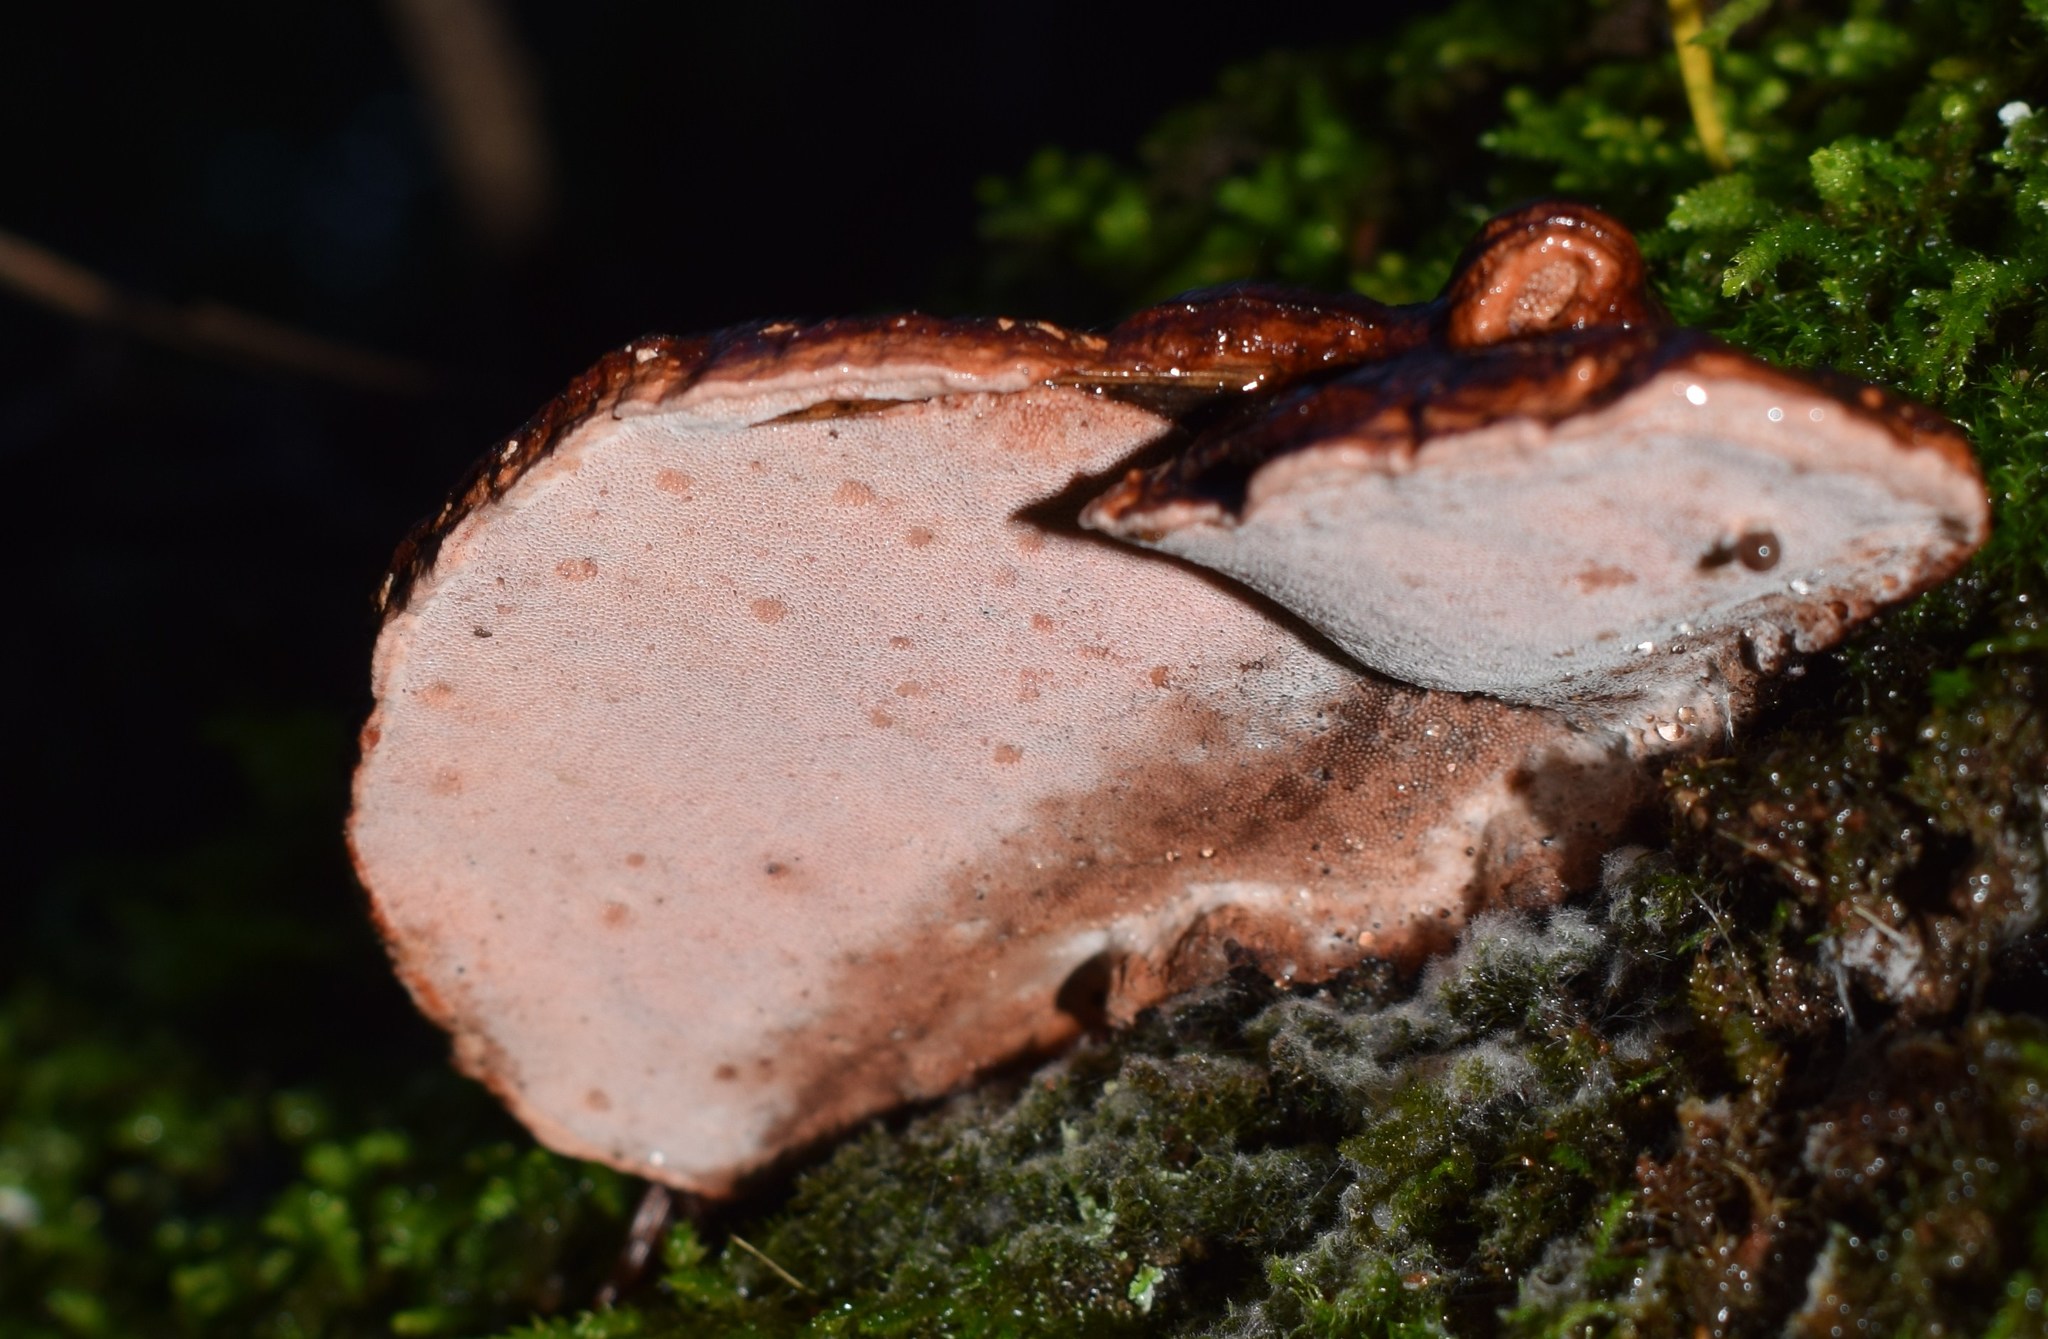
[1696,69]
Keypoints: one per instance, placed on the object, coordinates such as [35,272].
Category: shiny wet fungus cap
[1588,509]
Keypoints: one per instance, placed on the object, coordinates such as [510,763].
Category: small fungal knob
[1551,267]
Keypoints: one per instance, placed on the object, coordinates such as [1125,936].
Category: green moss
[184,1150]
[141,1194]
[1785,1072]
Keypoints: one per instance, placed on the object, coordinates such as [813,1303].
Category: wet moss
[162,1172]
[141,1194]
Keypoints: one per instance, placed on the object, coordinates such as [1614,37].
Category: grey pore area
[1632,565]
[764,739]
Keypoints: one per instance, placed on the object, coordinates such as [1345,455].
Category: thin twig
[1887,931]
[1785,864]
[207,328]
[1756,1000]
[657,1206]
[751,1249]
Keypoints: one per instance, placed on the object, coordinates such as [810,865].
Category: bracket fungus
[777,729]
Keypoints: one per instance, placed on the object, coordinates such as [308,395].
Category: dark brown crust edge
[1205,346]
[1397,407]
[1220,344]
[1223,341]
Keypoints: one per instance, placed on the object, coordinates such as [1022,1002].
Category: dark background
[197,532]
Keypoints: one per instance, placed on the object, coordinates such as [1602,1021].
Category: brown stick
[206,328]
[751,1249]
[481,95]
[650,1220]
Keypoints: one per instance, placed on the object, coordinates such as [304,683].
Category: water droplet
[1757,550]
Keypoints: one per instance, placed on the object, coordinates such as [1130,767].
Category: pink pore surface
[732,781]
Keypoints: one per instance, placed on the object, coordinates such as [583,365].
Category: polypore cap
[1564,501]
[1550,267]
[754,751]
[761,744]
